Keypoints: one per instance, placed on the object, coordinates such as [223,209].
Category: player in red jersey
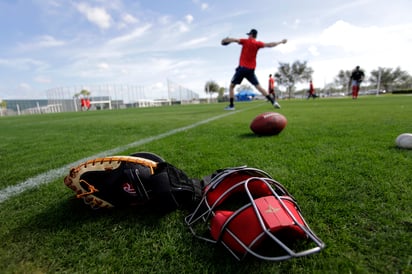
[271,87]
[356,79]
[311,92]
[247,64]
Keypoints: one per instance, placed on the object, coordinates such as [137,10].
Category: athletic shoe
[229,108]
[276,104]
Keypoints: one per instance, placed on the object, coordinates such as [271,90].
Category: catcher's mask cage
[265,221]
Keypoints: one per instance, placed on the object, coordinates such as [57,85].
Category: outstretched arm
[274,44]
[228,40]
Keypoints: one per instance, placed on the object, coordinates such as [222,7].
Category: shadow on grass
[73,212]
[254,136]
[68,230]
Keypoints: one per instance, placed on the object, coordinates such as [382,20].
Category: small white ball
[404,140]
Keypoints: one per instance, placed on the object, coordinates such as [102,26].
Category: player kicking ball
[247,65]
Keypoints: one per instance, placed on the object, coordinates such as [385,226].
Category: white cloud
[293,25]
[21,63]
[42,79]
[204,6]
[344,35]
[195,42]
[158,85]
[289,47]
[103,66]
[189,18]
[137,32]
[376,46]
[97,16]
[352,38]
[164,20]
[182,27]
[313,50]
[45,41]
[343,45]
[24,86]
[129,19]
[53,3]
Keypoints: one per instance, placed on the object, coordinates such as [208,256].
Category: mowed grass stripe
[56,173]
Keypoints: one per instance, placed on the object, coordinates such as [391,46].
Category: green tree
[3,106]
[221,92]
[342,79]
[390,78]
[83,92]
[289,75]
[211,86]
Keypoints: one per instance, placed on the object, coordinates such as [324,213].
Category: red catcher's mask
[250,213]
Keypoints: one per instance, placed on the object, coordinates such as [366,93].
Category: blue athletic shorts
[355,83]
[241,73]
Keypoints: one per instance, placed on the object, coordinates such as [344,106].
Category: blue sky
[53,43]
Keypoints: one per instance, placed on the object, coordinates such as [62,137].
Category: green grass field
[336,156]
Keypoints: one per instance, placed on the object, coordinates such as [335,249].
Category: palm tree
[85,93]
[3,105]
[211,87]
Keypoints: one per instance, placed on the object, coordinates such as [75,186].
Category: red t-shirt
[249,52]
[271,83]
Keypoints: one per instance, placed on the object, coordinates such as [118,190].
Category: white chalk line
[54,174]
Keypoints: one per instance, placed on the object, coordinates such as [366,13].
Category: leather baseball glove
[142,179]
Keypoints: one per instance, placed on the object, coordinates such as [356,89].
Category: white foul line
[54,174]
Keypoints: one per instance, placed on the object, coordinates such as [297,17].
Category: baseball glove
[142,179]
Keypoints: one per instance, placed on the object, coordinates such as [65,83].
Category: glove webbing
[173,188]
[85,189]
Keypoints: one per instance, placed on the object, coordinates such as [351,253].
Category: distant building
[26,106]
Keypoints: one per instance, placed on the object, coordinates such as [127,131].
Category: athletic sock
[231,102]
[270,99]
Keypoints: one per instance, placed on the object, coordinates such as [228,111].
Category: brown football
[268,123]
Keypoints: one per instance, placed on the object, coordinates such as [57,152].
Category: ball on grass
[404,140]
[268,123]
